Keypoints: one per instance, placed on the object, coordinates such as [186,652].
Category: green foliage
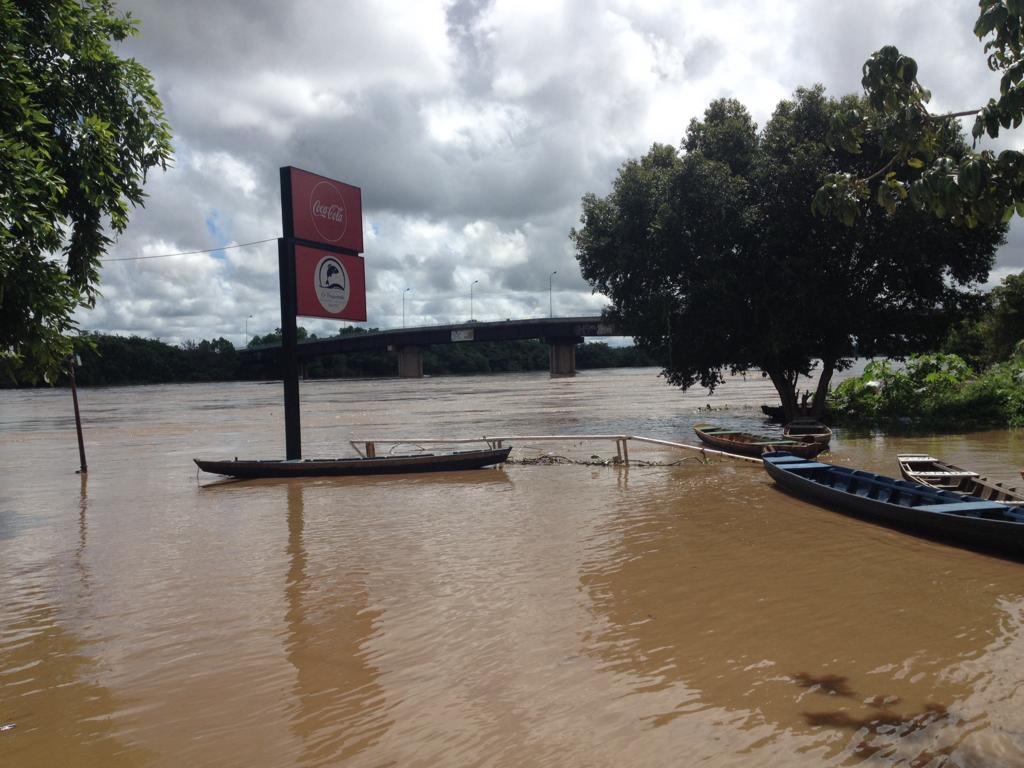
[994,332]
[939,392]
[119,360]
[723,265]
[79,129]
[972,189]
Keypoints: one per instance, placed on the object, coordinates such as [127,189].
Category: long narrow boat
[954,517]
[377,465]
[808,430]
[927,470]
[748,444]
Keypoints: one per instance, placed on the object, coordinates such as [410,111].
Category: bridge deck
[560,329]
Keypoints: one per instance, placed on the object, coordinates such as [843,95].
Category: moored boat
[375,465]
[808,430]
[748,444]
[954,517]
[927,470]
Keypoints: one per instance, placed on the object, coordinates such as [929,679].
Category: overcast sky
[473,129]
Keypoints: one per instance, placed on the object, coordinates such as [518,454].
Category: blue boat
[953,517]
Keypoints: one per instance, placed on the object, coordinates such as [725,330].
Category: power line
[189,253]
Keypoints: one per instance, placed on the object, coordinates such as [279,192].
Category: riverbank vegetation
[122,360]
[937,392]
[977,380]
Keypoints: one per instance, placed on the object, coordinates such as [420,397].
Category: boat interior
[746,437]
[889,491]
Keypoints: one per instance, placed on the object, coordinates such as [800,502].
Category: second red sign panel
[329,284]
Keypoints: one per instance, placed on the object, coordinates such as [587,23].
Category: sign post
[321,271]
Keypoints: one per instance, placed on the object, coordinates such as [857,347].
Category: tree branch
[883,169]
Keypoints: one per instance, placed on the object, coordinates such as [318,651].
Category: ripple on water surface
[531,615]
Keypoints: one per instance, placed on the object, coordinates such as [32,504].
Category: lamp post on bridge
[403,305]
[250,317]
[471,299]
[551,312]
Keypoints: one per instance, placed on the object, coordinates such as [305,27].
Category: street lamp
[250,317]
[551,312]
[403,305]
[471,299]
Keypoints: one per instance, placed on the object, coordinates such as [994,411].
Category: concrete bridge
[562,334]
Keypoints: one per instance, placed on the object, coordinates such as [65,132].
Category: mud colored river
[526,616]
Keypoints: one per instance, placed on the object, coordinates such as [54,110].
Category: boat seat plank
[807,465]
[787,460]
[944,474]
[963,506]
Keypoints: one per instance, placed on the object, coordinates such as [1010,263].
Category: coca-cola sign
[322,210]
[328,209]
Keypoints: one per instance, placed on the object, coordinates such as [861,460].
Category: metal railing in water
[369,445]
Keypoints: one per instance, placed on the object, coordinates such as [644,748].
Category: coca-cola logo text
[332,212]
[328,208]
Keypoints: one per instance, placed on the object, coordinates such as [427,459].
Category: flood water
[531,615]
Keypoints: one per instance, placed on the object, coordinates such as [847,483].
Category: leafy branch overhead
[80,128]
[968,188]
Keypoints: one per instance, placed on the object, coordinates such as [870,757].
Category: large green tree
[970,188]
[80,127]
[714,253]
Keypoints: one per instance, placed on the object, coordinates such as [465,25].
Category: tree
[79,130]
[996,331]
[715,256]
[975,188]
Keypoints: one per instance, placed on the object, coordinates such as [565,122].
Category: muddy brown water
[527,616]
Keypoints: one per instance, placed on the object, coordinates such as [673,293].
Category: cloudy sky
[473,127]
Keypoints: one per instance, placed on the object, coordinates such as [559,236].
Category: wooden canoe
[808,430]
[378,465]
[927,470]
[953,517]
[748,444]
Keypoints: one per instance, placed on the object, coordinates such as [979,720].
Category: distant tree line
[123,360]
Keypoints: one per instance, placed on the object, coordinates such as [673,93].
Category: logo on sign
[328,209]
[332,284]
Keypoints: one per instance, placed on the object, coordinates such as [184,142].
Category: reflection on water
[339,708]
[531,615]
[46,670]
[863,633]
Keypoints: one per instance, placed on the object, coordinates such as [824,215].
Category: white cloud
[474,128]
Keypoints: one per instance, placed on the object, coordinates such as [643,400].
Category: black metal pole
[78,417]
[289,349]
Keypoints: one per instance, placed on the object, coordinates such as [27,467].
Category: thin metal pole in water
[78,417]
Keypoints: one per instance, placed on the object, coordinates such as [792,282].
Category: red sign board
[329,284]
[324,211]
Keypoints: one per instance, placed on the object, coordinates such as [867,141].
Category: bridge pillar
[410,362]
[562,356]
